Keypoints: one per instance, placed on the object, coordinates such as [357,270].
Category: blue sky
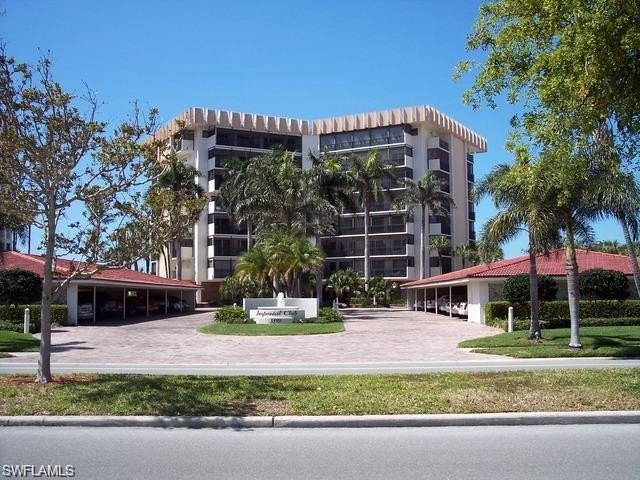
[292,58]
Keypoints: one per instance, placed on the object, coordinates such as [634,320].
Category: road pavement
[521,452]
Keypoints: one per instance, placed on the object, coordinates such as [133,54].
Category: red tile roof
[63,268]
[552,263]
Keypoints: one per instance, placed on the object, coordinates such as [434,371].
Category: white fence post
[27,318]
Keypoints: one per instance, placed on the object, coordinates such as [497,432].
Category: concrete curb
[338,421]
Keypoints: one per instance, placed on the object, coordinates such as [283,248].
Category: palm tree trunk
[366,245]
[249,235]
[572,290]
[423,235]
[168,257]
[631,251]
[179,259]
[534,328]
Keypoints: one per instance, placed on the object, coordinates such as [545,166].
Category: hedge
[233,314]
[556,314]
[12,317]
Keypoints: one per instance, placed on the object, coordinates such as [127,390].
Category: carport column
[147,303]
[424,302]
[165,302]
[450,311]
[436,300]
[94,304]
[124,303]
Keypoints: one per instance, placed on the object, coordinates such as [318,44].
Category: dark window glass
[211,175]
[408,151]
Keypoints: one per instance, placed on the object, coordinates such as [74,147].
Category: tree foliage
[427,194]
[278,261]
[19,287]
[345,284]
[599,284]
[289,200]
[56,156]
[571,64]
[516,288]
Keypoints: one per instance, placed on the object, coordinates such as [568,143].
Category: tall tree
[345,284]
[489,252]
[521,192]
[365,177]
[289,201]
[279,260]
[467,253]
[572,65]
[427,193]
[179,200]
[55,157]
[442,246]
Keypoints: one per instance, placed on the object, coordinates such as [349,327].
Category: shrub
[556,314]
[599,284]
[516,288]
[232,315]
[329,315]
[19,287]
[12,317]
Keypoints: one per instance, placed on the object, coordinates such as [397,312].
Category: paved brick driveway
[384,335]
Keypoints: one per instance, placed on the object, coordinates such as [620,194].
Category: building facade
[8,240]
[414,140]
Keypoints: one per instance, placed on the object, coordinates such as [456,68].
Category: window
[209,133]
[408,150]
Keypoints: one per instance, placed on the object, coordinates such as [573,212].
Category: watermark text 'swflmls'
[38,471]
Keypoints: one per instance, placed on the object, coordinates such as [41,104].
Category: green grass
[551,390]
[287,329]
[18,342]
[596,342]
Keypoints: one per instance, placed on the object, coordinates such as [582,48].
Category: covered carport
[120,294]
[422,294]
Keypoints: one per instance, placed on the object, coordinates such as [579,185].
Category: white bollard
[510,319]
[27,318]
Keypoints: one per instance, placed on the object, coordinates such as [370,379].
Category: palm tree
[183,201]
[365,178]
[243,205]
[489,252]
[575,185]
[345,283]
[442,245]
[521,192]
[619,197]
[467,253]
[254,265]
[289,200]
[427,194]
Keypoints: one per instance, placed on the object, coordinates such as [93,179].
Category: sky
[303,59]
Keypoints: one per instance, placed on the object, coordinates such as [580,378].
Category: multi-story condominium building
[7,240]
[414,140]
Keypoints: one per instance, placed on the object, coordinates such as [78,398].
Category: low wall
[309,305]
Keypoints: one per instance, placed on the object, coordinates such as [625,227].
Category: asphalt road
[501,364]
[545,452]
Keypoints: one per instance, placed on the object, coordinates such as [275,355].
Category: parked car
[85,311]
[443,304]
[463,309]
